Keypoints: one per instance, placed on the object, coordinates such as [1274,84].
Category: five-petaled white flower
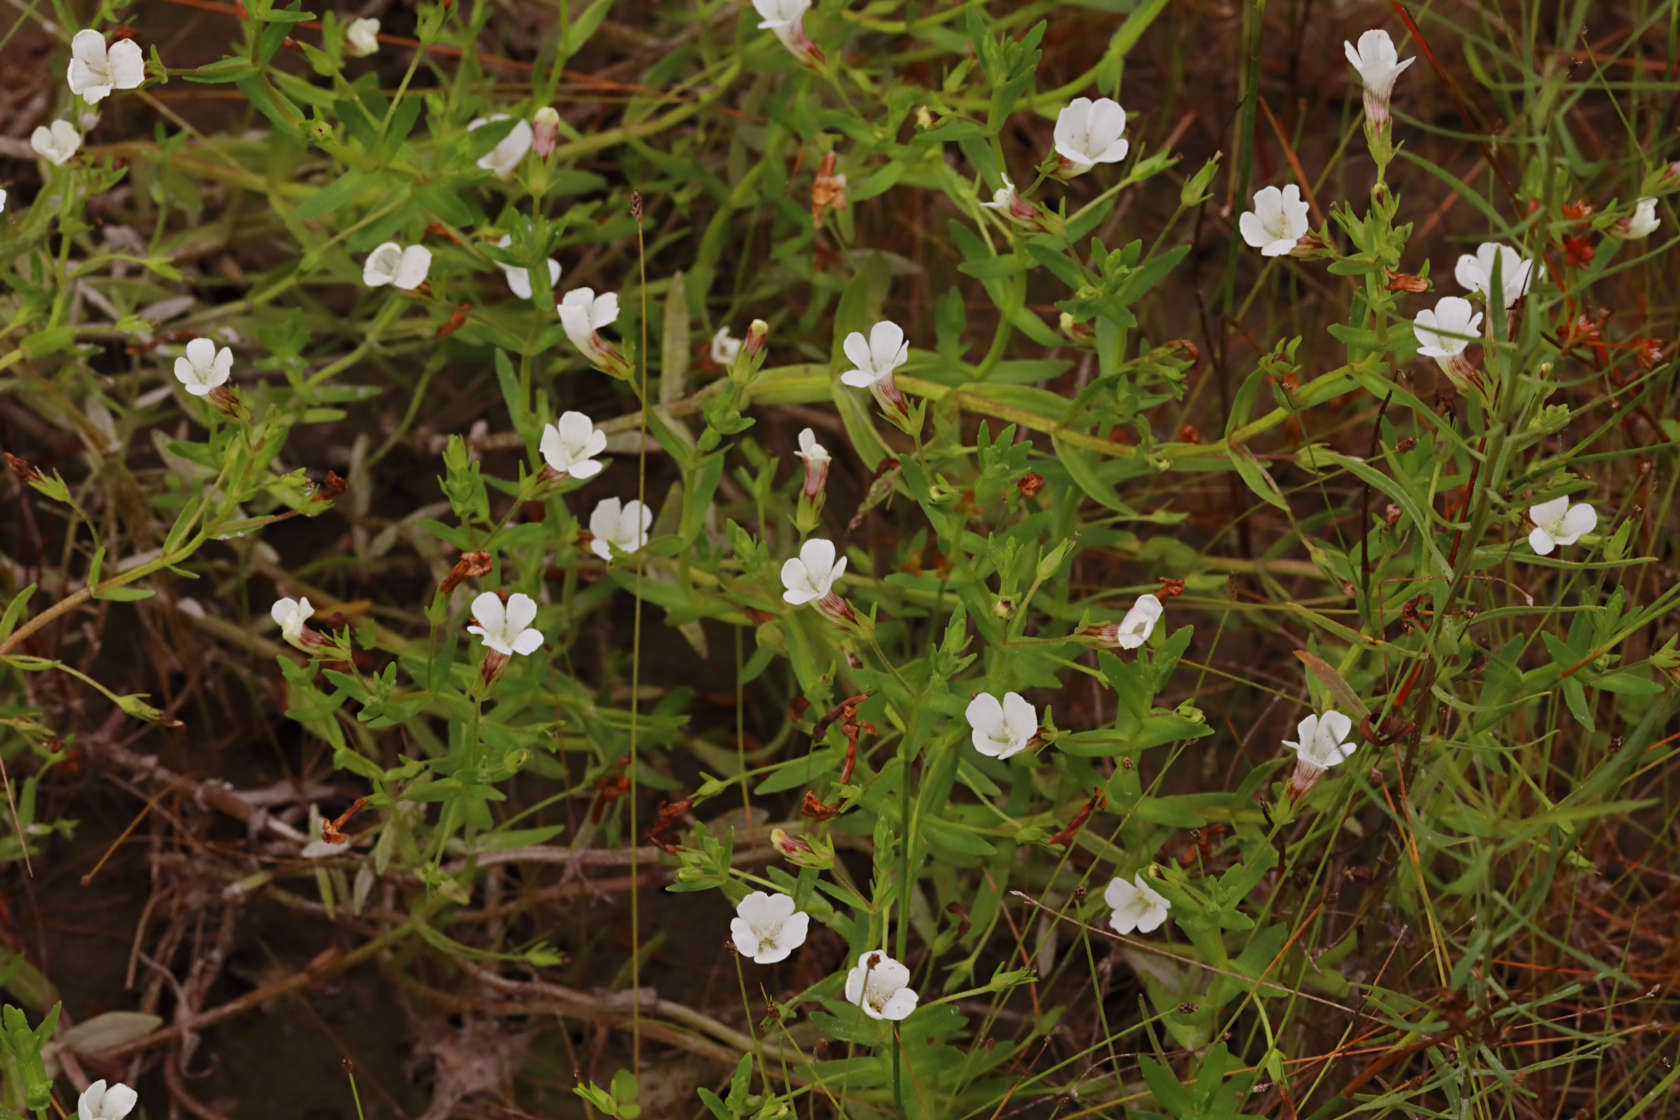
[96,70]
[1136,905]
[874,358]
[203,367]
[361,38]
[506,629]
[519,279]
[290,615]
[100,1103]
[786,19]
[570,446]
[1322,741]
[1088,133]
[1474,273]
[767,928]
[1277,222]
[1448,328]
[1443,332]
[1139,622]
[1000,730]
[583,314]
[57,142]
[881,986]
[1642,223]
[392,264]
[1557,522]
[622,524]
[509,150]
[1379,65]
[725,347]
[2,200]
[810,576]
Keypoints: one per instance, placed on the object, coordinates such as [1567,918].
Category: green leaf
[222,70]
[674,343]
[335,196]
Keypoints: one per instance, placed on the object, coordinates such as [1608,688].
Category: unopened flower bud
[1075,330]
[545,130]
[1195,189]
[817,853]
[757,332]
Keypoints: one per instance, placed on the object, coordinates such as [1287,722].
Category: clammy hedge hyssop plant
[766,474]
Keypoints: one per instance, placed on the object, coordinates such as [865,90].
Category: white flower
[874,358]
[362,37]
[1475,273]
[1277,222]
[1323,742]
[290,615]
[767,928]
[1136,905]
[881,986]
[1088,133]
[781,16]
[506,629]
[816,459]
[1000,730]
[1446,330]
[810,576]
[623,525]
[99,1103]
[519,279]
[1323,739]
[1557,522]
[2,200]
[96,70]
[582,314]
[1642,223]
[725,347]
[1002,198]
[1139,622]
[570,447]
[1014,207]
[392,264]
[509,150]
[1379,65]
[786,19]
[57,143]
[204,367]
[809,449]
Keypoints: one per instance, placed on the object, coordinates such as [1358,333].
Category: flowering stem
[77,598]
[636,653]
